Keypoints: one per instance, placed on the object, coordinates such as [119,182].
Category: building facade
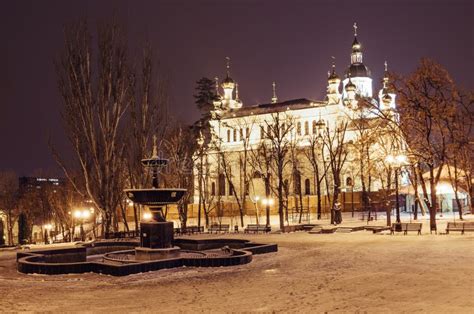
[230,171]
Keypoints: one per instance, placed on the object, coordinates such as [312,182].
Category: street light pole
[352,199]
[397,201]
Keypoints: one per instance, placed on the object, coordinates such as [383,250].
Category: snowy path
[311,273]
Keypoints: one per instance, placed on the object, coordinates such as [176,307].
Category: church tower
[357,72]
[386,96]
[228,85]
[333,94]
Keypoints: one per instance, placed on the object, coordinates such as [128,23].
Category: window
[247,133]
[241,133]
[315,127]
[235,135]
[307,187]
[298,128]
[297,185]
[213,188]
[221,184]
[349,181]
[247,188]
[262,132]
[306,128]
[231,188]
[269,131]
[228,135]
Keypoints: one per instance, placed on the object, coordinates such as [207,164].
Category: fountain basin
[155,197]
[118,258]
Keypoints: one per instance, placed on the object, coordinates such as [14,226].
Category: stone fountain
[157,248]
[156,235]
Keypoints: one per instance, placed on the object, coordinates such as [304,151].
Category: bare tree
[337,155]
[260,161]
[459,123]
[425,97]
[314,153]
[9,200]
[148,113]
[236,165]
[94,103]
[179,147]
[277,132]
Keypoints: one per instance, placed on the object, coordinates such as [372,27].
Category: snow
[339,272]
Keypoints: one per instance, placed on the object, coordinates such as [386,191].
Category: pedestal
[156,235]
[147,254]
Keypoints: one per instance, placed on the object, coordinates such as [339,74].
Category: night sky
[290,42]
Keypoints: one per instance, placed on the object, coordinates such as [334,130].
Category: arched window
[228,135]
[235,135]
[269,131]
[349,181]
[221,184]
[213,188]
[262,132]
[297,177]
[315,127]
[306,128]
[241,133]
[298,128]
[247,133]
[307,187]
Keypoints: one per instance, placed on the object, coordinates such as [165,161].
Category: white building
[238,129]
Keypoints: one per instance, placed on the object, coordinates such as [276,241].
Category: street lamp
[268,202]
[82,215]
[397,161]
[47,229]
[147,216]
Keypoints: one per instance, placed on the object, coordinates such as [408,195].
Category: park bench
[193,229]
[122,234]
[460,226]
[405,227]
[254,228]
[219,228]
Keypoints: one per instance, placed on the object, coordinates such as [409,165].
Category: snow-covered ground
[356,272]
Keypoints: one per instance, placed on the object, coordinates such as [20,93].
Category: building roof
[358,70]
[292,104]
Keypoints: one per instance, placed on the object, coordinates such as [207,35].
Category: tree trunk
[434,201]
[280,200]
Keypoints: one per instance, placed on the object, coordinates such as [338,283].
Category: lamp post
[255,205]
[397,161]
[47,229]
[320,125]
[268,202]
[82,215]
